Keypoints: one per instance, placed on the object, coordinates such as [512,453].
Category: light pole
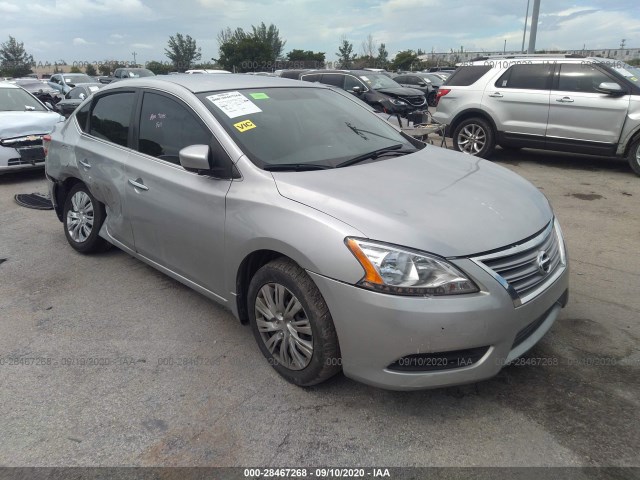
[534,26]
[526,19]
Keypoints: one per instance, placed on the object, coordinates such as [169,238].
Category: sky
[104,30]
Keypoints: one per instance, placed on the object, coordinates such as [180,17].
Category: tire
[633,157]
[82,217]
[474,136]
[284,339]
[432,99]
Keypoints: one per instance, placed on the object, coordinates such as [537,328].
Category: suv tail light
[46,141]
[441,93]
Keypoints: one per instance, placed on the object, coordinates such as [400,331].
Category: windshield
[630,73]
[17,100]
[276,126]
[78,79]
[378,80]
[140,73]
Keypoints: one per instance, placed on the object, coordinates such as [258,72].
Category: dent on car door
[178,217]
[101,156]
[519,99]
[579,112]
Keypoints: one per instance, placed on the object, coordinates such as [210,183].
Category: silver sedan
[343,243]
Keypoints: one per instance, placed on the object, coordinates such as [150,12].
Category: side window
[412,80]
[527,76]
[580,78]
[335,79]
[77,93]
[312,77]
[54,79]
[166,127]
[350,82]
[465,76]
[111,116]
[401,79]
[82,116]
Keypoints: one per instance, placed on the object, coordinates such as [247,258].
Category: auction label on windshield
[233,104]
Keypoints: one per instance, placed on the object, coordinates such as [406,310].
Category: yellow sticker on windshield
[244,125]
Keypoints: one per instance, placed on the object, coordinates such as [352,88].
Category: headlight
[395,101]
[397,271]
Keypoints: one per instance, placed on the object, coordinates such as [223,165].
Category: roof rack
[531,55]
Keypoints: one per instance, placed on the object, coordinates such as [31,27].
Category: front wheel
[633,157]
[83,216]
[292,324]
[474,136]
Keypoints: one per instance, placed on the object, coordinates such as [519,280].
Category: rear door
[178,216]
[519,100]
[579,112]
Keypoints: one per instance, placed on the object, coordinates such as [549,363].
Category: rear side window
[166,127]
[527,76]
[580,78]
[333,79]
[312,77]
[82,116]
[111,117]
[465,76]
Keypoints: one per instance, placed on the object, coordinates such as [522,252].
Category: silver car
[23,121]
[344,243]
[551,102]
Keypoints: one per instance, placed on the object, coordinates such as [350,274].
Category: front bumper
[375,330]
[11,161]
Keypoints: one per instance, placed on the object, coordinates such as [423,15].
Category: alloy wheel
[80,217]
[284,326]
[472,139]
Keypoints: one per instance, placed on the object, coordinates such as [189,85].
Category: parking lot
[122,365]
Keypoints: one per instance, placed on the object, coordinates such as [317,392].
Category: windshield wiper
[373,155]
[294,167]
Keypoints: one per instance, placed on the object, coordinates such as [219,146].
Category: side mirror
[357,90]
[610,88]
[49,106]
[195,158]
[71,85]
[422,84]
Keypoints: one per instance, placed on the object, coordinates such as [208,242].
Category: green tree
[90,70]
[296,55]
[406,60]
[159,68]
[75,69]
[271,36]
[182,51]
[245,55]
[345,53]
[382,60]
[104,69]
[14,60]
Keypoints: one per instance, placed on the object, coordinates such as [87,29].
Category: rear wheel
[474,136]
[633,157]
[83,216]
[292,324]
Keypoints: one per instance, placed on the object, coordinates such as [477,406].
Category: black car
[38,89]
[76,96]
[376,89]
[420,81]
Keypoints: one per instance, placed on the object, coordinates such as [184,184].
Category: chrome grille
[528,269]
[416,101]
[26,141]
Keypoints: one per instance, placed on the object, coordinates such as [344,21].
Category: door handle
[565,100]
[84,163]
[137,183]
[496,95]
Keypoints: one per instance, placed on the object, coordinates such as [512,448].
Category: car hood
[16,124]
[434,200]
[400,91]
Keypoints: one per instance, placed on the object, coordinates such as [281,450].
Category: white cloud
[80,41]
[6,7]
[145,46]
[83,8]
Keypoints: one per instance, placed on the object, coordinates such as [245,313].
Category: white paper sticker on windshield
[93,89]
[624,72]
[233,104]
[366,79]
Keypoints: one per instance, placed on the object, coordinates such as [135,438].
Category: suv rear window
[465,76]
[527,76]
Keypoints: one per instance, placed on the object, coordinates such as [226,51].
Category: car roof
[6,84]
[208,83]
[538,58]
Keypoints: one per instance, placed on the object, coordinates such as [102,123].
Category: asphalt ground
[105,361]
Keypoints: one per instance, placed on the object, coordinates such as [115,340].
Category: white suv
[564,103]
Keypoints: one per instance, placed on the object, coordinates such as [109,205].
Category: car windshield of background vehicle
[630,73]
[318,126]
[141,73]
[377,81]
[17,100]
[78,79]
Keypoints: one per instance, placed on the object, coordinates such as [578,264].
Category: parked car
[419,81]
[127,73]
[436,79]
[343,243]
[564,103]
[63,82]
[40,90]
[445,70]
[376,89]
[76,96]
[23,121]
[197,71]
